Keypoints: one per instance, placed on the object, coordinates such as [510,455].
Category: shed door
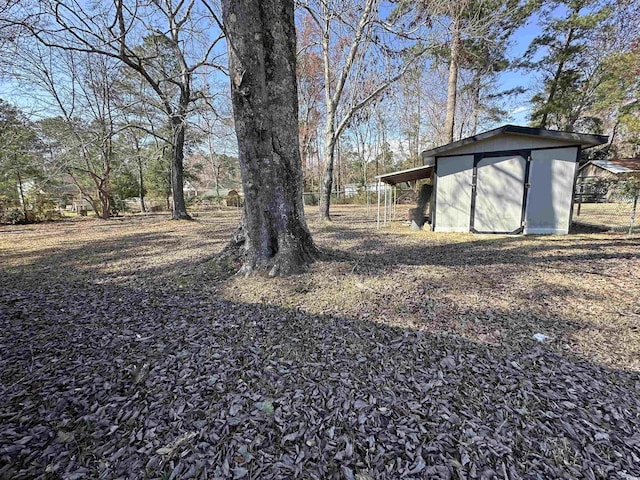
[498,194]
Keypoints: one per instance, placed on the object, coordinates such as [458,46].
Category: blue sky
[516,78]
[519,109]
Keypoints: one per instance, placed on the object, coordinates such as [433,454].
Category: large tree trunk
[105,203]
[262,62]
[452,84]
[104,196]
[177,170]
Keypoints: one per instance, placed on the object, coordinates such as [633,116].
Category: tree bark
[452,84]
[262,62]
[24,204]
[475,85]
[143,207]
[177,170]
[327,180]
[556,79]
[104,195]
[105,205]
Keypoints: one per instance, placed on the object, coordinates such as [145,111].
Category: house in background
[597,178]
[609,168]
[189,190]
[510,179]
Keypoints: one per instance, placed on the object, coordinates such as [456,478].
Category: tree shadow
[113,380]
[385,252]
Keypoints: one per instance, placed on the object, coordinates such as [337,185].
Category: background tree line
[126,99]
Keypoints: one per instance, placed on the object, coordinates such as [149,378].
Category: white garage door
[499,194]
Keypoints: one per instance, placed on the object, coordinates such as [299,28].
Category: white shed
[508,180]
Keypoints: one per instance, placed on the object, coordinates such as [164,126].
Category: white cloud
[520,109]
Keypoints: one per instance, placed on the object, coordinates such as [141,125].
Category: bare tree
[174,30]
[310,92]
[353,37]
[262,62]
[79,88]
[465,24]
[214,149]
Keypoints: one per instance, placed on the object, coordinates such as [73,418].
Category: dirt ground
[126,352]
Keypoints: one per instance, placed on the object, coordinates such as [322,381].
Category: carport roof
[585,139]
[408,175]
[621,165]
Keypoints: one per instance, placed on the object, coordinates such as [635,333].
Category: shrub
[43,209]
[12,216]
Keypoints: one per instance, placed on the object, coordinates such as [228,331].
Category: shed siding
[507,142]
[499,192]
[551,177]
[453,194]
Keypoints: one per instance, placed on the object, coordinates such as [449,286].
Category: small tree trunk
[177,170]
[262,62]
[24,204]
[633,213]
[452,84]
[556,80]
[327,180]
[143,207]
[476,102]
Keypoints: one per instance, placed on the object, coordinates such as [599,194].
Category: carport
[390,181]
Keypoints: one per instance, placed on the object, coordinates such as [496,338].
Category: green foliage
[563,54]
[42,208]
[617,97]
[19,156]
[159,176]
[629,185]
[12,216]
[124,184]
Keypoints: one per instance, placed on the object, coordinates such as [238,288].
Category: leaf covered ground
[126,353]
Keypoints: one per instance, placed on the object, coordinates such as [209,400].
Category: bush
[233,199]
[12,216]
[40,209]
[43,209]
[310,198]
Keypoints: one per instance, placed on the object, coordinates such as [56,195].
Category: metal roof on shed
[623,165]
[584,139]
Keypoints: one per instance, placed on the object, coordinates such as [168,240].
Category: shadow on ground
[114,365]
[110,381]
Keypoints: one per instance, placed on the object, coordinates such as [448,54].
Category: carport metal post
[393,205]
[378,195]
[388,197]
[384,223]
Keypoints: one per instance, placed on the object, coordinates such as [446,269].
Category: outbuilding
[511,179]
[609,169]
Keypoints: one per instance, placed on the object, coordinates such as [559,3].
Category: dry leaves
[110,370]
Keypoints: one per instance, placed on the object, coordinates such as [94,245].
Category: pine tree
[569,71]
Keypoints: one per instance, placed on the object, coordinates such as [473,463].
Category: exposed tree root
[294,255]
[181,216]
